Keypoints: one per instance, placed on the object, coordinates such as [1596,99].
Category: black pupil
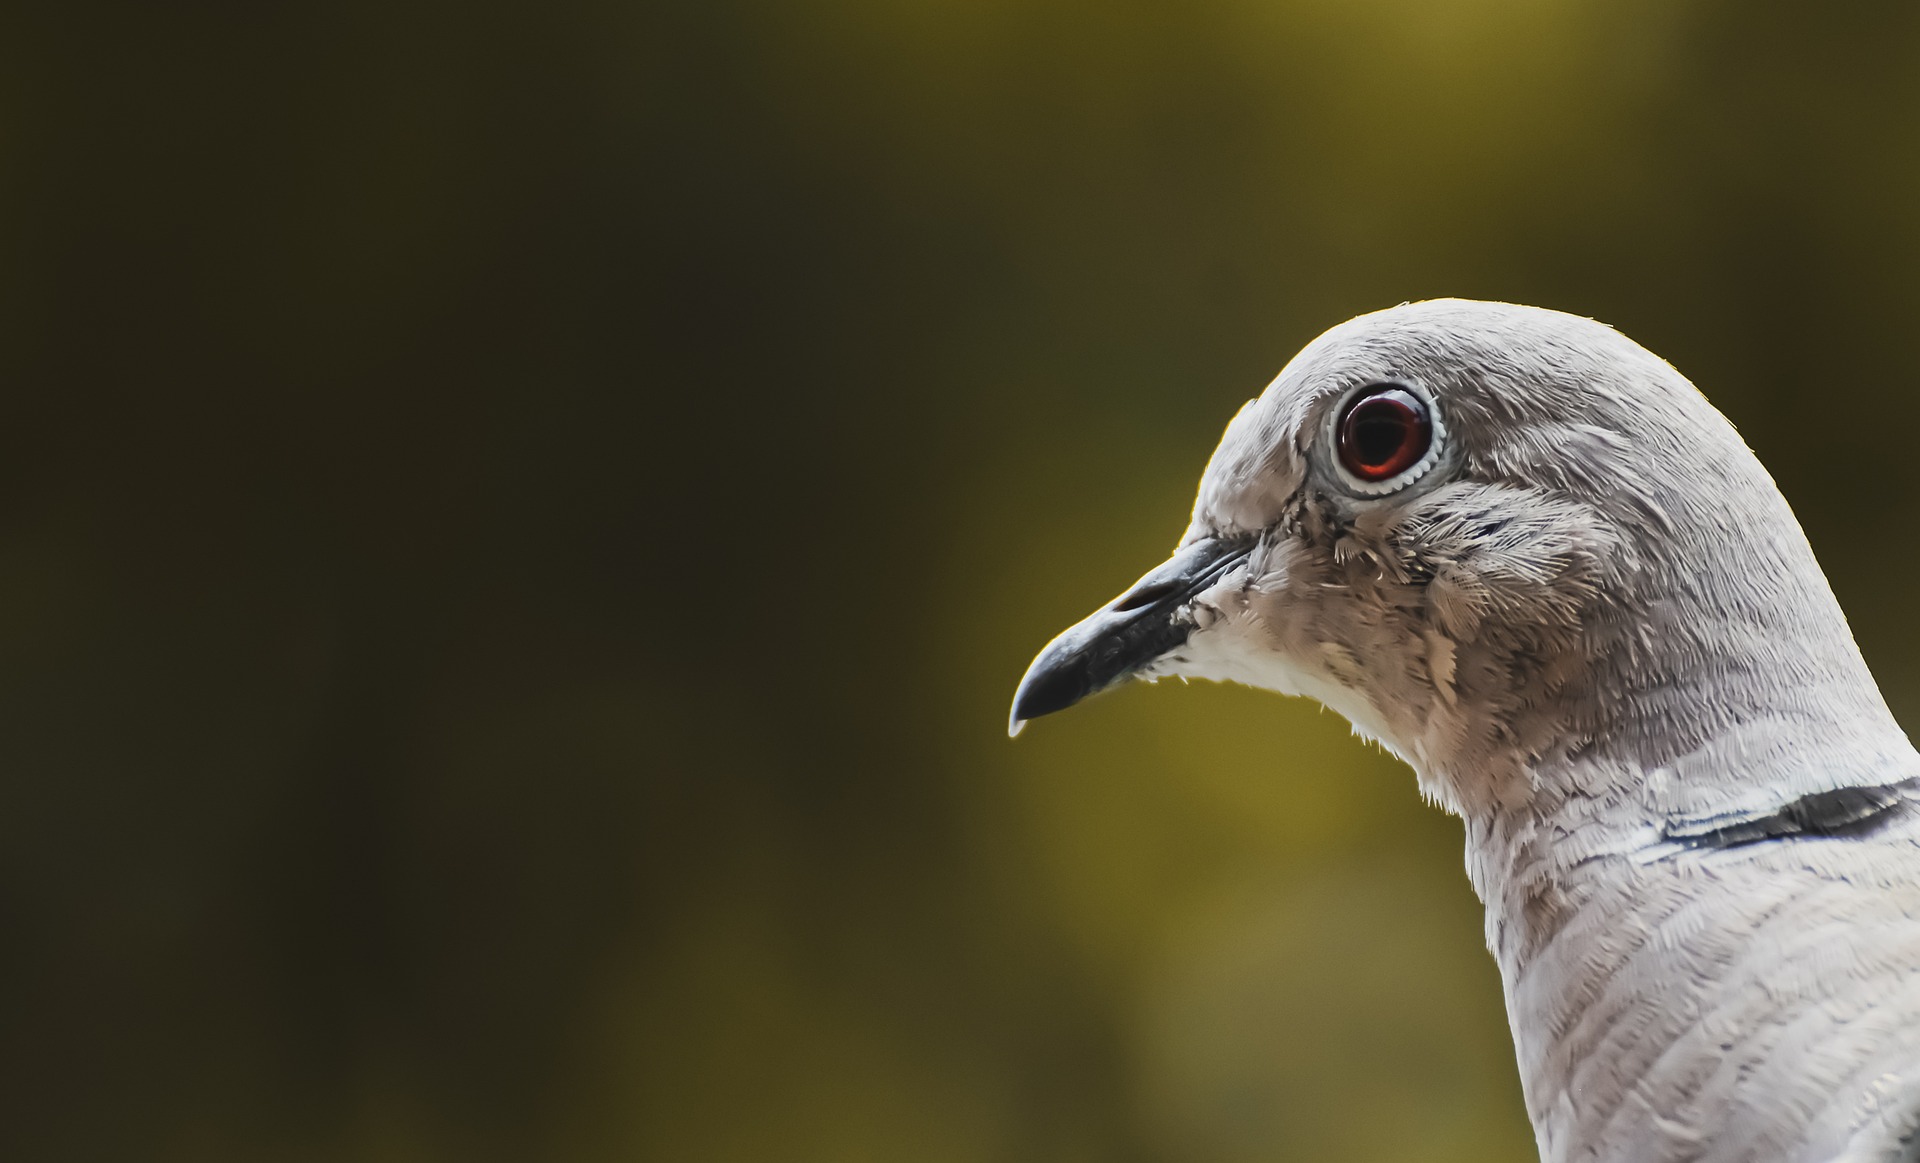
[1380,427]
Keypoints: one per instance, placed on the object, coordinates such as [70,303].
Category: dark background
[519,527]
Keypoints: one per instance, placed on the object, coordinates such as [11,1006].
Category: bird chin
[1332,681]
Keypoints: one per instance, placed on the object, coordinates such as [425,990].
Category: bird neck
[1718,752]
[1611,895]
[1715,678]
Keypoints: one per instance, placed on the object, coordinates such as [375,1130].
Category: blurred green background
[519,526]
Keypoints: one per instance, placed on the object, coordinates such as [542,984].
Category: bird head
[1488,535]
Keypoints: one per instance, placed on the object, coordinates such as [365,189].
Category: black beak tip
[1047,687]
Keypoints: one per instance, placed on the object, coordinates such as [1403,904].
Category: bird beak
[1127,634]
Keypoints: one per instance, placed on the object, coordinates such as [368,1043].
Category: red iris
[1384,432]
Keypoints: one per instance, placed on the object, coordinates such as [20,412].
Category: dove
[1525,555]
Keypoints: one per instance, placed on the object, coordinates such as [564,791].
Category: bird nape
[1528,557]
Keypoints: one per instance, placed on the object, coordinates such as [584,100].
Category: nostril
[1145,596]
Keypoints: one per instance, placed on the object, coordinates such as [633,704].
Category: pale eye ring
[1385,436]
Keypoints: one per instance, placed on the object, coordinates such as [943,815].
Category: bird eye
[1383,432]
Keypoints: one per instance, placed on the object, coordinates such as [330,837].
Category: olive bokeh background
[519,526]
